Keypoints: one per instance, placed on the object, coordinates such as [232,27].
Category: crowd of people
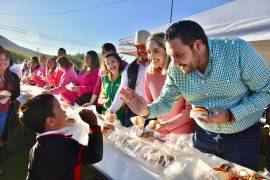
[173,73]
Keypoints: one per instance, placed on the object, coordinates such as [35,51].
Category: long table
[118,165]
[115,163]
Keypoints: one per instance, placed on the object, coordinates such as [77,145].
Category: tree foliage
[17,55]
[77,60]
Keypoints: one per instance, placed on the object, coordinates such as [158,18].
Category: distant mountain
[9,44]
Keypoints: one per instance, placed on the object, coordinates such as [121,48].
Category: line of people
[173,73]
[197,76]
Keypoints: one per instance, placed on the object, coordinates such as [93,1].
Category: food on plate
[71,121]
[5,93]
[199,112]
[144,135]
[222,167]
[229,173]
[107,129]
[165,159]
[110,117]
[153,125]
[137,121]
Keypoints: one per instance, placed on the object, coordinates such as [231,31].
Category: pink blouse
[178,118]
[54,78]
[87,81]
[97,88]
[70,76]
[39,76]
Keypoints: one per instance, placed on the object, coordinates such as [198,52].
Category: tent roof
[247,19]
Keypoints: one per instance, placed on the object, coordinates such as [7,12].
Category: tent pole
[171,11]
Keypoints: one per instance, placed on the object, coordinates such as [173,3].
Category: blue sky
[87,24]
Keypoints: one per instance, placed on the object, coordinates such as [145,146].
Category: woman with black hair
[110,84]
[9,90]
[68,78]
[87,78]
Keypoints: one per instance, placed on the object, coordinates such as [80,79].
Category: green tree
[77,60]
[17,55]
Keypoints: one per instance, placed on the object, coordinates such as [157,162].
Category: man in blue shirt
[226,76]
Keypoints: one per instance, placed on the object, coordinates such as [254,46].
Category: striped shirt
[236,78]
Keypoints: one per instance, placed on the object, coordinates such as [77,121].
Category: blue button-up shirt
[236,78]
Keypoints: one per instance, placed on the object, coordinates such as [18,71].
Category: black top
[57,157]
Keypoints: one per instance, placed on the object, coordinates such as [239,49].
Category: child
[55,155]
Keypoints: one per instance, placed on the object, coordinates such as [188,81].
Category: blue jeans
[242,148]
[3,120]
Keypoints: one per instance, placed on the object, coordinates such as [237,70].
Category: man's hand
[217,117]
[88,116]
[135,102]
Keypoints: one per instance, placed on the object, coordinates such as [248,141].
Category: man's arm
[256,76]
[168,97]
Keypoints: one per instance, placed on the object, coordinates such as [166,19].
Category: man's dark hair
[1,47]
[62,50]
[107,47]
[64,62]
[188,31]
[35,111]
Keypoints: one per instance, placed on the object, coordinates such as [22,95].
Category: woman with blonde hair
[177,121]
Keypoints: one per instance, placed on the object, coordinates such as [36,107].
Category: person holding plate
[9,91]
[227,77]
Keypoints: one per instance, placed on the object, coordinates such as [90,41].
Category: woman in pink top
[106,48]
[69,77]
[87,78]
[177,120]
[53,73]
[39,76]
[35,77]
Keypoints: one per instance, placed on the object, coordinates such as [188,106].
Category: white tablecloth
[118,165]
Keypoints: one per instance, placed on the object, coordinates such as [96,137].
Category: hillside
[11,45]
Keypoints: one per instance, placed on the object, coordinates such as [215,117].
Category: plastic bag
[79,129]
[189,168]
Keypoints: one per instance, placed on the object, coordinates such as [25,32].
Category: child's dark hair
[34,112]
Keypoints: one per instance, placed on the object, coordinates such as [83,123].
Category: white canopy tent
[247,19]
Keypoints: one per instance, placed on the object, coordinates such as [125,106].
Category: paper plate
[5,93]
